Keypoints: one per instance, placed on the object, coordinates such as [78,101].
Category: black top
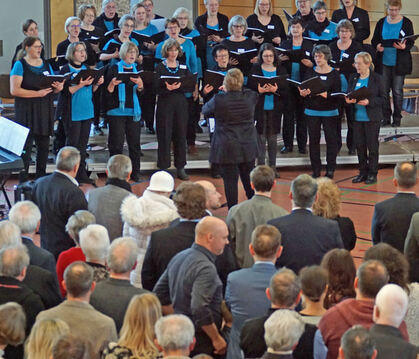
[404,58]
[332,83]
[275,28]
[100,21]
[201,24]
[376,99]
[162,70]
[307,46]
[246,44]
[234,138]
[306,18]
[85,34]
[347,232]
[347,55]
[19,47]
[62,50]
[360,20]
[40,257]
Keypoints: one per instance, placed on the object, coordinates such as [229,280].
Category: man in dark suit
[306,238]
[391,219]
[390,308]
[190,201]
[58,197]
[284,292]
[112,296]
[265,248]
[27,216]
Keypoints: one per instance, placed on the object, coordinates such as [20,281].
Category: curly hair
[328,199]
[341,271]
[190,200]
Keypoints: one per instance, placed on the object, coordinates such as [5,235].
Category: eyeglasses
[267,56]
[126,26]
[320,13]
[80,50]
[238,26]
[182,18]
[172,28]
[344,30]
[74,26]
[222,56]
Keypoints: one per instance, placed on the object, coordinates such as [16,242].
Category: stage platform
[396,144]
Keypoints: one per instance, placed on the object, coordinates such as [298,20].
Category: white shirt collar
[285,352]
[72,179]
[308,209]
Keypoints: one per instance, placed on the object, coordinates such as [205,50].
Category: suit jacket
[411,248]
[95,328]
[57,198]
[306,238]
[166,243]
[242,220]
[241,285]
[390,344]
[39,256]
[277,356]
[391,219]
[253,344]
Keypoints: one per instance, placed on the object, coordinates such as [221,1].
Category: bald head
[212,233]
[390,305]
[212,196]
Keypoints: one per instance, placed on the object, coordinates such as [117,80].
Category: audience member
[313,282]
[142,216]
[190,274]
[243,218]
[306,238]
[13,263]
[12,325]
[283,330]
[79,220]
[84,321]
[371,277]
[112,296]
[391,218]
[175,336]
[389,310]
[136,339]
[105,202]
[357,343]
[27,216]
[43,336]
[58,197]
[69,347]
[398,271]
[411,248]
[212,195]
[284,292]
[252,282]
[94,242]
[39,280]
[341,271]
[327,205]
[164,244]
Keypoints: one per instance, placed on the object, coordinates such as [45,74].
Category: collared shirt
[285,352]
[308,209]
[191,284]
[264,262]
[72,179]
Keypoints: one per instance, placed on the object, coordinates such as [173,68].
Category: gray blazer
[411,247]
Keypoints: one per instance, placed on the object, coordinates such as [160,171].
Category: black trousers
[366,138]
[350,119]
[294,116]
[171,123]
[269,136]
[193,119]
[42,150]
[78,136]
[330,126]
[119,128]
[148,103]
[230,173]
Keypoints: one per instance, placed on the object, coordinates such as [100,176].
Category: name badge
[183,67]
[46,73]
[358,84]
[240,51]
[345,55]
[326,31]
[356,19]
[271,27]
[324,78]
[307,53]
[403,33]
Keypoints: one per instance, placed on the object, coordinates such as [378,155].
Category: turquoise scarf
[121,91]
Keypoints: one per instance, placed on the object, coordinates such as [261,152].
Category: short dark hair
[172,20]
[313,281]
[357,343]
[27,24]
[284,288]
[78,277]
[372,276]
[266,240]
[190,200]
[217,48]
[406,174]
[395,262]
[304,190]
[296,20]
[263,178]
[322,49]
[69,347]
[268,47]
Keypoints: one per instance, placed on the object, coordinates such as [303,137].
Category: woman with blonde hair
[43,337]
[12,326]
[327,205]
[136,338]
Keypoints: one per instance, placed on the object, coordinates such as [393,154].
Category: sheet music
[12,136]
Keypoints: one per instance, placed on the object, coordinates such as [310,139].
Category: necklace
[168,68]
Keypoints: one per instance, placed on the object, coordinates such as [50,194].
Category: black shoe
[303,151]
[360,178]
[315,175]
[351,152]
[275,171]
[150,131]
[181,174]
[330,174]
[285,149]
[371,179]
[135,177]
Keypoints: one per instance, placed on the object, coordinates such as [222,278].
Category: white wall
[13,13]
